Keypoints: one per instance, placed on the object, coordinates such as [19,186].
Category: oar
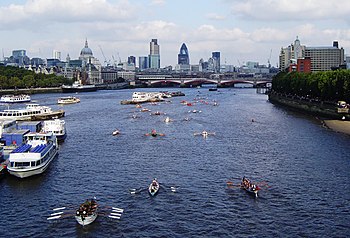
[174,189]
[58,216]
[134,191]
[57,213]
[54,217]
[59,208]
[117,209]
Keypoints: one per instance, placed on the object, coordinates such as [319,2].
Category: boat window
[22,164]
[32,163]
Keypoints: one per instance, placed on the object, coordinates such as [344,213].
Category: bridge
[164,80]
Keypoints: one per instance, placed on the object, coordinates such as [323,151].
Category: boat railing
[39,148]
[22,148]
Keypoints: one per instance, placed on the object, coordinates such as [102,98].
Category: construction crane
[120,61]
[106,62]
[268,60]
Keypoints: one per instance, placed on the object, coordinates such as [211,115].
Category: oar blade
[54,217]
[58,208]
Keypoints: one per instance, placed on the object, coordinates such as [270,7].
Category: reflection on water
[301,161]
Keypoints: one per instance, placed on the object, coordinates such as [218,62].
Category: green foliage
[14,77]
[327,86]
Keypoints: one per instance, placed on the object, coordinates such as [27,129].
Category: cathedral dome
[86,50]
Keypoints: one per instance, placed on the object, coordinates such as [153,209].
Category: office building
[143,63]
[216,61]
[314,59]
[183,57]
[154,56]
[56,54]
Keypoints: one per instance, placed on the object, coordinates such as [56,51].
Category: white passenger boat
[68,100]
[139,97]
[57,127]
[15,98]
[31,112]
[34,156]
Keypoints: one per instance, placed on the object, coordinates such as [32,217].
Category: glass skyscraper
[216,59]
[183,57]
[154,56]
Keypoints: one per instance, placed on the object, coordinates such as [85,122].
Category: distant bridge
[163,80]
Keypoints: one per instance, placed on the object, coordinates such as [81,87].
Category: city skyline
[240,31]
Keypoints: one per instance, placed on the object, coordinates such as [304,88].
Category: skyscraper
[154,56]
[143,62]
[216,61]
[183,57]
[56,54]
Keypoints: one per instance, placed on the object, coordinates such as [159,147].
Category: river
[305,165]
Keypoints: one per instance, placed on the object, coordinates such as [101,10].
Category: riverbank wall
[312,107]
[30,90]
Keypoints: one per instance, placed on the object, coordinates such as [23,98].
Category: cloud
[157,2]
[285,10]
[216,17]
[39,13]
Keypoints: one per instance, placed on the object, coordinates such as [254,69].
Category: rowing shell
[153,188]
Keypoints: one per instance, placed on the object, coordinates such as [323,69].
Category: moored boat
[34,156]
[87,212]
[15,98]
[68,100]
[57,127]
[153,187]
[31,112]
[77,86]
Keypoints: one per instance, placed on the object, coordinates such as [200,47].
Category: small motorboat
[153,187]
[87,212]
[116,132]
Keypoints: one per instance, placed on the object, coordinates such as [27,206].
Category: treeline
[325,86]
[14,77]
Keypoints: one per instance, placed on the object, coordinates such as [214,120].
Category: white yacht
[57,127]
[31,111]
[68,100]
[34,156]
[147,97]
[15,98]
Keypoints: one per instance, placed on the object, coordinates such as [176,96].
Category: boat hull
[86,220]
[69,89]
[153,190]
[48,116]
[24,173]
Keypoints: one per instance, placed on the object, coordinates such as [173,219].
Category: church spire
[86,43]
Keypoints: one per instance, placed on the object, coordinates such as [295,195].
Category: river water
[306,166]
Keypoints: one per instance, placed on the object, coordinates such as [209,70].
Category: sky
[241,30]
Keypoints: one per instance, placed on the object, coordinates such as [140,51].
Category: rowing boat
[153,188]
[250,187]
[87,212]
